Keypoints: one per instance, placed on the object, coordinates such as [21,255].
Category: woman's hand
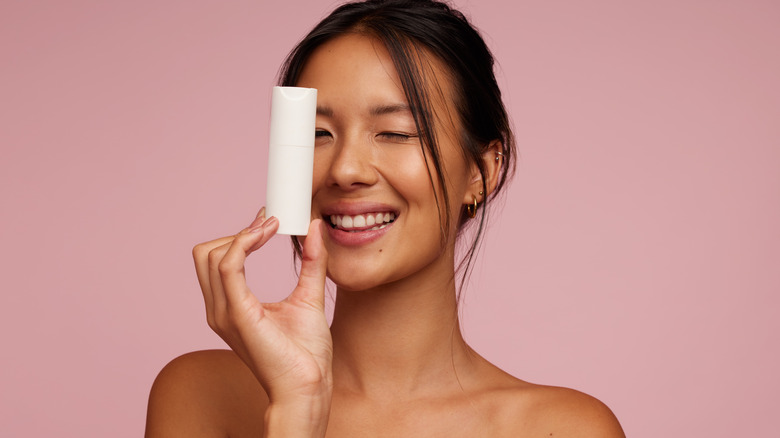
[287,345]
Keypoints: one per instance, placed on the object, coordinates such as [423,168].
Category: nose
[351,165]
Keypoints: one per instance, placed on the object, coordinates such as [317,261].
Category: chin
[361,276]
[352,283]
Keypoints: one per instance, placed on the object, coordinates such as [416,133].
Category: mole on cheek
[380,249]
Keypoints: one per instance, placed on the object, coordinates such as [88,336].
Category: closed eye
[397,136]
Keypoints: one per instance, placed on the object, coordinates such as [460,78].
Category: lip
[357,238]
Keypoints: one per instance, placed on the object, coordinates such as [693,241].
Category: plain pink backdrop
[637,257]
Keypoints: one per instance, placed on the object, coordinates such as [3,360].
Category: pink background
[637,257]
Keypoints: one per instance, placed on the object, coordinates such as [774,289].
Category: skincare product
[291,158]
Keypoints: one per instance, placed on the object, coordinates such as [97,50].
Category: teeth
[346,222]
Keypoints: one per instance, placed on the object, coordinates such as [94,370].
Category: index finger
[231,268]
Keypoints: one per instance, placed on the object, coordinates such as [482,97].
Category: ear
[492,159]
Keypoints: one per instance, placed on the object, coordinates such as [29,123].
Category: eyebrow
[390,109]
[375,111]
[324,111]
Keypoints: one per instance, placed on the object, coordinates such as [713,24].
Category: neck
[400,339]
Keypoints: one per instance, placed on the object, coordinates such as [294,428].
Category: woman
[412,142]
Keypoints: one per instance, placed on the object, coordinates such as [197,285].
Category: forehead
[349,66]
[359,69]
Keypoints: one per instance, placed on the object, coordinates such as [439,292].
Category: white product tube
[291,158]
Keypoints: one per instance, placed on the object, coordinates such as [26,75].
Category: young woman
[412,142]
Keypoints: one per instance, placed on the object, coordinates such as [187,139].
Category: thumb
[314,266]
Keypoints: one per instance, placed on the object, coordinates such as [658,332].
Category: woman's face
[371,180]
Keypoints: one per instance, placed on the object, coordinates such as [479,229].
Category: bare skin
[393,362]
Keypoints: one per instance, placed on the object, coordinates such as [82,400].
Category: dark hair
[411,30]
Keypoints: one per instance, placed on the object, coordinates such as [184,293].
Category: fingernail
[259,219]
[263,225]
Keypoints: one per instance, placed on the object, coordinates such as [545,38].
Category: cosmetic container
[291,158]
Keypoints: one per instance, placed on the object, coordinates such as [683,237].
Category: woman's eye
[396,136]
[321,133]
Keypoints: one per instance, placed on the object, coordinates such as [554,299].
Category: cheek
[321,168]
[418,180]
[405,169]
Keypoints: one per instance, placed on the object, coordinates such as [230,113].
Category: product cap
[293,111]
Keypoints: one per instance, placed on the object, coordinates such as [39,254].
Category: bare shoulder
[205,393]
[550,411]
[564,412]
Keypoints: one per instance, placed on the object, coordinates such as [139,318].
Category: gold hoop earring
[471,209]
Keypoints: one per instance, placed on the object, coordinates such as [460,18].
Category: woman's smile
[358,223]
[362,222]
